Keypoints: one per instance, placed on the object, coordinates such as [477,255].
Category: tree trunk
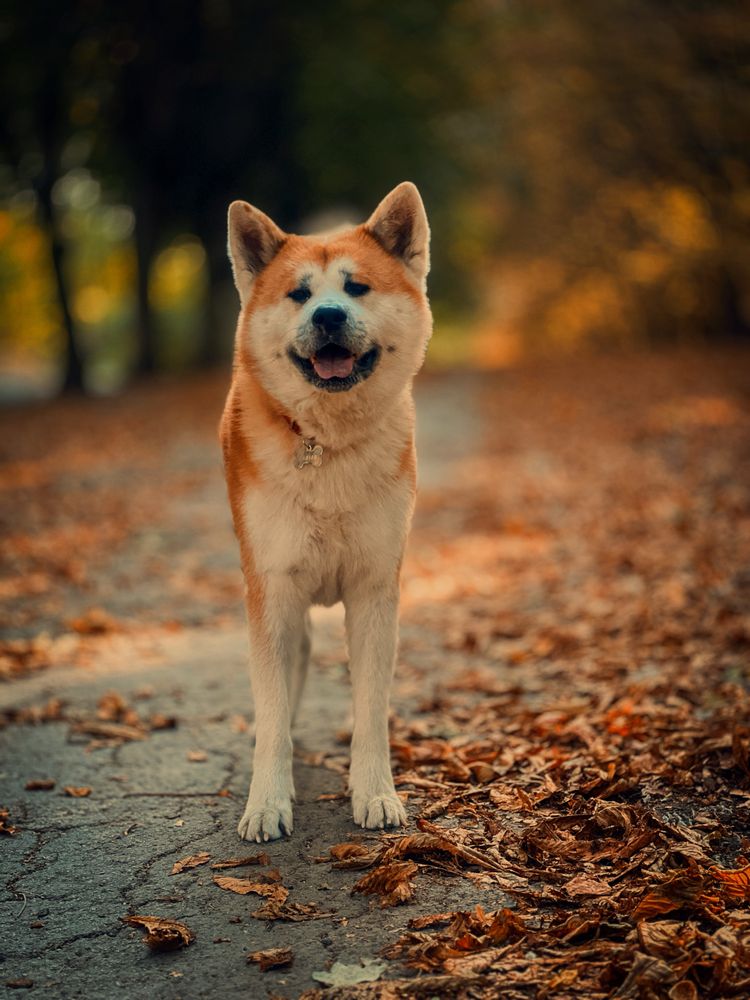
[72,362]
[145,248]
[734,323]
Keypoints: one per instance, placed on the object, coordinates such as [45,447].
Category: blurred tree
[619,184]
[584,165]
[38,76]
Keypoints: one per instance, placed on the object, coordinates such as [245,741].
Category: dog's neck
[336,420]
[348,419]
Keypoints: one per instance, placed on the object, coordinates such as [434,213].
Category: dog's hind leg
[297,668]
[372,627]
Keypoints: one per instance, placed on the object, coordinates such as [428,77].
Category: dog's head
[337,312]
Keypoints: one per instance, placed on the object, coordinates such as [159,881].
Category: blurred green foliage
[584,165]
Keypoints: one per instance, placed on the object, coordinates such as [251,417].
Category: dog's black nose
[330,319]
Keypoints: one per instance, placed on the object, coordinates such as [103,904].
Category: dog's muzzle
[332,355]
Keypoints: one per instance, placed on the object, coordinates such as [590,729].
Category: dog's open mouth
[335,368]
[333,361]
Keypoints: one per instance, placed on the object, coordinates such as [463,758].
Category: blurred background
[583,164]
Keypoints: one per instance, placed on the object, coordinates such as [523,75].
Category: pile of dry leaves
[584,756]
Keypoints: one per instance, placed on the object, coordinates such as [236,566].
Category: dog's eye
[301,294]
[355,288]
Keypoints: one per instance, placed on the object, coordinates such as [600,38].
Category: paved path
[77,865]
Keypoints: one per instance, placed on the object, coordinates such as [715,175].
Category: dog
[318,442]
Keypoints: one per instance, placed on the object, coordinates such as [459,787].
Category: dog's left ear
[399,224]
[254,240]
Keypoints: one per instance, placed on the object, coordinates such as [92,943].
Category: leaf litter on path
[162,933]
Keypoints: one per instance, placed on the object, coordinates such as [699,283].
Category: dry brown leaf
[40,785]
[392,882]
[684,990]
[289,912]
[271,958]
[108,730]
[244,886]
[430,920]
[342,852]
[163,934]
[159,721]
[51,710]
[112,707]
[587,885]
[667,939]
[192,861]
[95,621]
[473,964]
[735,882]
[250,859]
[672,894]
[77,791]
[197,756]
[468,933]
[5,826]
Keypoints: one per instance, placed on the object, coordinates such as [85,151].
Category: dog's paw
[267,822]
[378,811]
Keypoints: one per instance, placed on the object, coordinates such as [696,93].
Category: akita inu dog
[318,442]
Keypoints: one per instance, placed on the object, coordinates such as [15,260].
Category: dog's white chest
[320,525]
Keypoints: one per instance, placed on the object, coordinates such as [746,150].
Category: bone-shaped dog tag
[309,453]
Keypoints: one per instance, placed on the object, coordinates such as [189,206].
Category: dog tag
[309,454]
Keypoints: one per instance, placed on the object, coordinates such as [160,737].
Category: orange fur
[241,470]
[374,266]
[407,464]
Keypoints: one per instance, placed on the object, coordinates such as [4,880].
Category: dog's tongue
[328,365]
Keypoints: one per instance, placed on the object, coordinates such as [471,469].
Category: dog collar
[309,452]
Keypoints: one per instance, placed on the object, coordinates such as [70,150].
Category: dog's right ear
[254,240]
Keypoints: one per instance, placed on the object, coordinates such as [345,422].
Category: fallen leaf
[392,882]
[289,912]
[244,886]
[162,934]
[271,958]
[77,791]
[40,785]
[251,859]
[193,861]
[95,621]
[368,971]
[5,826]
[342,852]
[684,990]
[160,721]
[197,756]
[671,895]
[430,920]
[108,730]
[19,984]
[735,882]
[112,707]
[586,885]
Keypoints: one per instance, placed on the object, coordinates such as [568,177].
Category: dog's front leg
[372,630]
[276,627]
